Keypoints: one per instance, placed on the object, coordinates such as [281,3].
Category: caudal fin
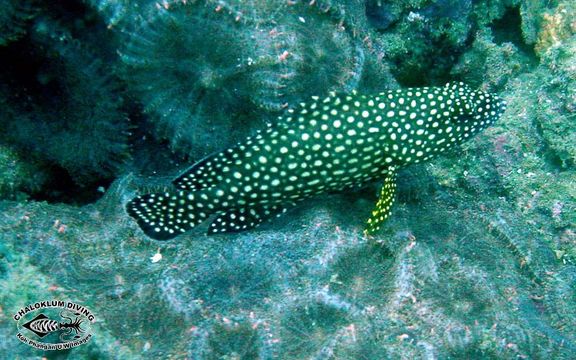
[167,215]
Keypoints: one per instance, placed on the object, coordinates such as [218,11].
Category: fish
[324,145]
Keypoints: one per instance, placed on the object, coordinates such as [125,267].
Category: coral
[557,27]
[118,13]
[230,339]
[557,104]
[422,41]
[362,274]
[332,61]
[304,288]
[198,71]
[531,150]
[559,300]
[19,177]
[382,15]
[489,64]
[228,280]
[234,62]
[308,328]
[72,116]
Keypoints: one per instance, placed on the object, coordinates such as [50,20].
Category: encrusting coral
[304,287]
[557,27]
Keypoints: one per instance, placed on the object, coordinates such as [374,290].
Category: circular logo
[54,325]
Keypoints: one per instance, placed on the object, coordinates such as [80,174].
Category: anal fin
[164,216]
[246,218]
[384,205]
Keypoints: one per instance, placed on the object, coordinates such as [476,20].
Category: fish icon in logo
[42,325]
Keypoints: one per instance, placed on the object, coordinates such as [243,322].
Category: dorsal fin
[205,173]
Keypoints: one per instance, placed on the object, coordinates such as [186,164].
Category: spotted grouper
[324,145]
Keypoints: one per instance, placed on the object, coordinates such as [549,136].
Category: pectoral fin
[384,204]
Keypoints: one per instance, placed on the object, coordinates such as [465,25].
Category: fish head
[473,110]
[479,106]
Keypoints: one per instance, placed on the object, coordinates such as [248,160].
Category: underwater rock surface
[478,259]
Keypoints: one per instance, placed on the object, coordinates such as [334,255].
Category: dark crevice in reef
[428,69]
[62,189]
[430,63]
[153,157]
[381,15]
[509,29]
[21,70]
[37,84]
[83,23]
[437,38]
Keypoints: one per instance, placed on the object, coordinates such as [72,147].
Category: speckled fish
[324,145]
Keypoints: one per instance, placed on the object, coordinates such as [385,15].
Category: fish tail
[163,216]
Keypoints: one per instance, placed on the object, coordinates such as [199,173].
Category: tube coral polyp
[200,66]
